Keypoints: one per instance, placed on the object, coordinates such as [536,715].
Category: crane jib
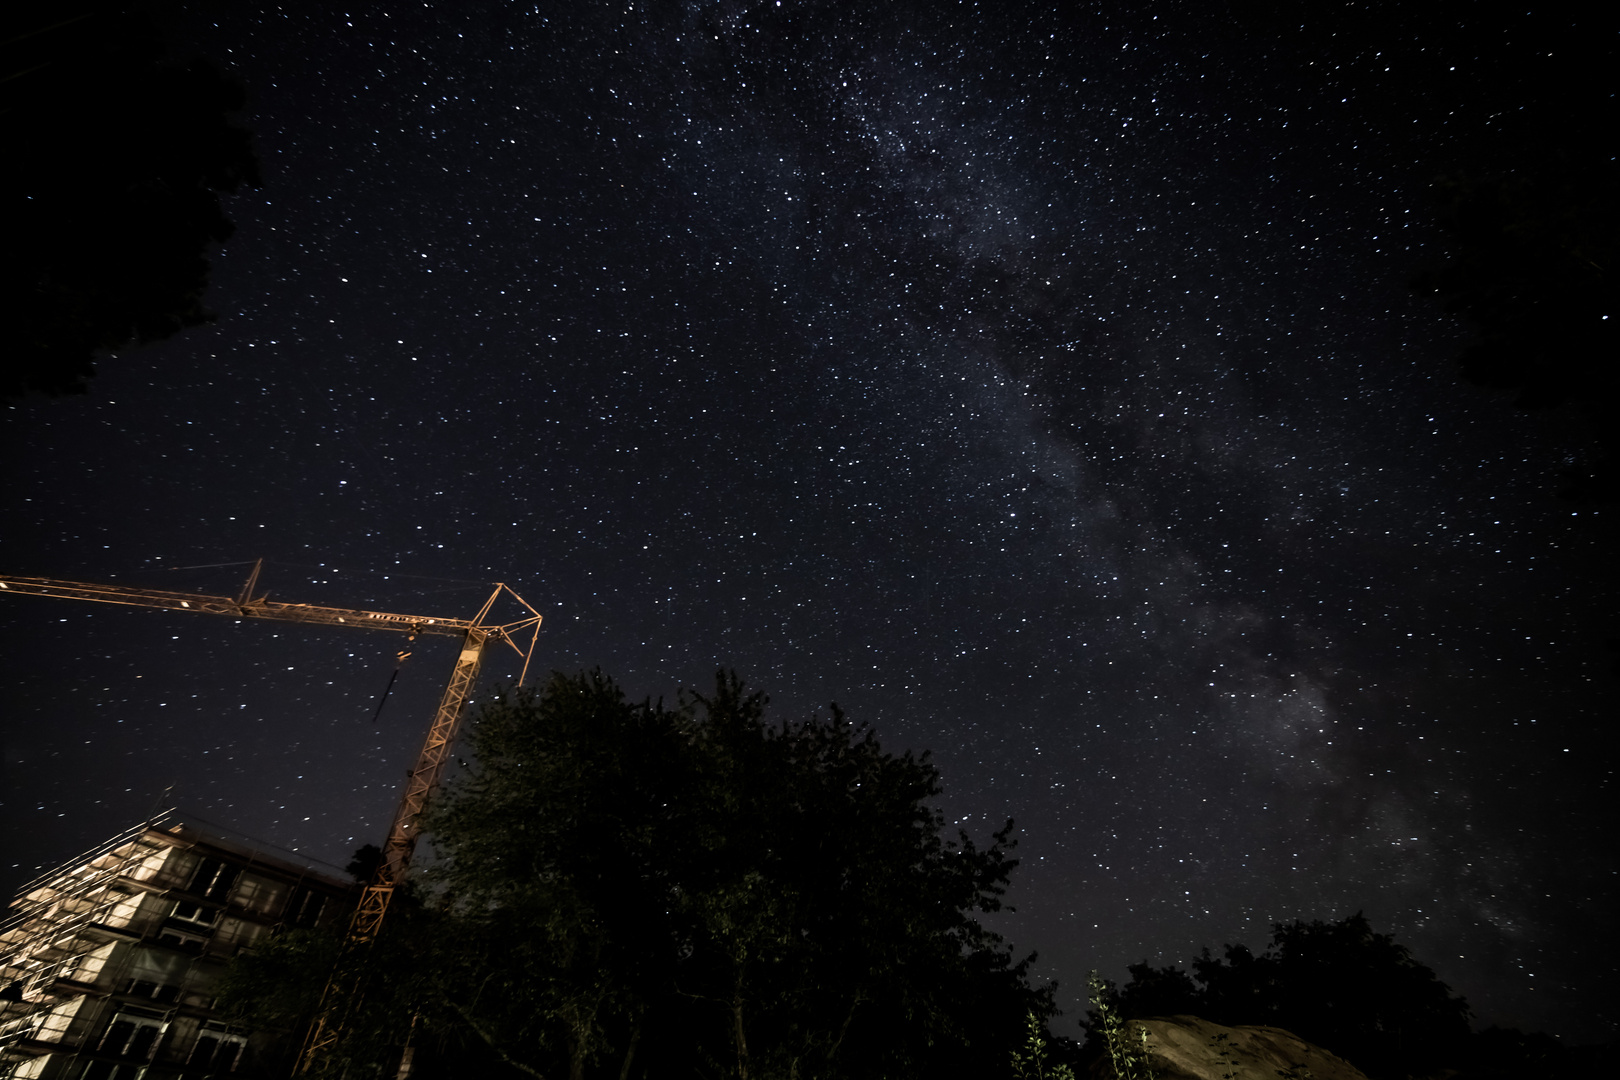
[336,1001]
[257,608]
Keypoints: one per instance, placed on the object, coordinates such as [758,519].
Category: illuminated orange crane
[475,633]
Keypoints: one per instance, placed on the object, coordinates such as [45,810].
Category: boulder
[1191,1048]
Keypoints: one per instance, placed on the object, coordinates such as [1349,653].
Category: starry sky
[1041,383]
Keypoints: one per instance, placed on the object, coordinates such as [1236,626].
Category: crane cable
[399,662]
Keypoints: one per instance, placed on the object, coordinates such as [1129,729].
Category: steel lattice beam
[344,989]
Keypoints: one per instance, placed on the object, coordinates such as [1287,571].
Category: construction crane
[475,633]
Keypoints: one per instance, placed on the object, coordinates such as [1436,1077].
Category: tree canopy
[110,199]
[626,889]
[1531,269]
[1339,985]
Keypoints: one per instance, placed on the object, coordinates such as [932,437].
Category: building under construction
[108,965]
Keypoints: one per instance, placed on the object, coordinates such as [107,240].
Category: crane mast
[475,634]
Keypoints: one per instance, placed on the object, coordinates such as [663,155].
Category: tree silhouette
[116,162]
[1339,985]
[626,890]
[1532,271]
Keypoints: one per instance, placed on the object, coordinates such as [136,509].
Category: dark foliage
[630,890]
[276,990]
[363,866]
[1532,271]
[1339,985]
[1158,992]
[110,198]
[1509,1054]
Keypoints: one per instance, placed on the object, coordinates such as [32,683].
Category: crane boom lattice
[342,990]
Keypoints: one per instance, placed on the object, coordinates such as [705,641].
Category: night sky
[1044,387]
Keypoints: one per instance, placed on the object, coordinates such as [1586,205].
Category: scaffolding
[107,964]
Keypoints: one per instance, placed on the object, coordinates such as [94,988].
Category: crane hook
[399,661]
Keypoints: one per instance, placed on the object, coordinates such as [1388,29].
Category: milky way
[1047,391]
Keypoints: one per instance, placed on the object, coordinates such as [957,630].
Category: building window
[195,913]
[167,993]
[182,939]
[129,1036]
[107,1070]
[213,880]
[304,908]
[217,1050]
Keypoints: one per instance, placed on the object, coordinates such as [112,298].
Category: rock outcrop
[1190,1048]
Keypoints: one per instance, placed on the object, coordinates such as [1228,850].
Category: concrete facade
[108,964]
